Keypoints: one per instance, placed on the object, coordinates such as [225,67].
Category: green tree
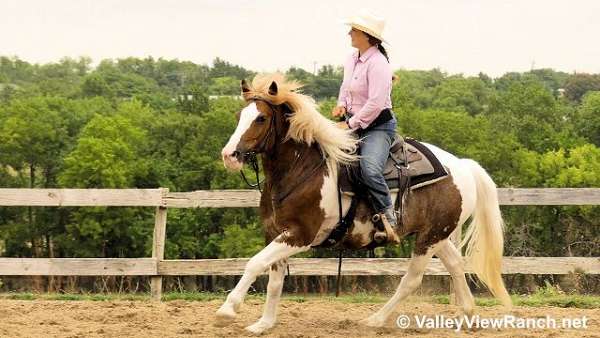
[33,135]
[222,68]
[194,100]
[578,84]
[588,119]
[95,85]
[225,85]
[108,154]
[529,109]
[462,94]
[557,230]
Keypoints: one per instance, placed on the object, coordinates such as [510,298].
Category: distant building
[189,97]
[213,97]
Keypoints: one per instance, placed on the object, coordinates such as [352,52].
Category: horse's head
[260,124]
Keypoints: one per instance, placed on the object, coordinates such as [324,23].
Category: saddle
[410,165]
[421,168]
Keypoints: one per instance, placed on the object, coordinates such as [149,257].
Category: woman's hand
[338,111]
[342,125]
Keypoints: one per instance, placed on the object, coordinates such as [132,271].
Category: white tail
[485,235]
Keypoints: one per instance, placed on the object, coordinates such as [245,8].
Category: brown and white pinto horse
[301,153]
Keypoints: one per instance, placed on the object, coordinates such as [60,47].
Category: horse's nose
[228,153]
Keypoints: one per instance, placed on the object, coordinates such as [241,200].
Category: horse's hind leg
[408,284]
[274,252]
[452,260]
[274,288]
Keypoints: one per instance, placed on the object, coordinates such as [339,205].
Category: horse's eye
[260,119]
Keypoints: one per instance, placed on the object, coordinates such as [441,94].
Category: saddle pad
[423,171]
[419,164]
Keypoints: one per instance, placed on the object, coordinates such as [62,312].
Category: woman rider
[364,100]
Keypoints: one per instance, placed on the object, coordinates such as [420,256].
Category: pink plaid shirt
[366,88]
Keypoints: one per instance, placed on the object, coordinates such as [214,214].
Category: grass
[546,296]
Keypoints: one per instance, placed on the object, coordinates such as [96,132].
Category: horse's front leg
[274,288]
[277,250]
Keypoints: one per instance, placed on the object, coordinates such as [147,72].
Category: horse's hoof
[372,321]
[468,311]
[258,327]
[225,315]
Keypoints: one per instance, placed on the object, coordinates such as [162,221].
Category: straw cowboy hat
[369,23]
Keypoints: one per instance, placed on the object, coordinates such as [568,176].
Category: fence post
[455,237]
[158,245]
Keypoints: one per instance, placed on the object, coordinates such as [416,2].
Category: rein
[253,162]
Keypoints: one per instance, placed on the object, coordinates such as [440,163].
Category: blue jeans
[374,151]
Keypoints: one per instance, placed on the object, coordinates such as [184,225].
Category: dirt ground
[312,318]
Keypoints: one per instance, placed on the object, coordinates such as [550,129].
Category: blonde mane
[306,123]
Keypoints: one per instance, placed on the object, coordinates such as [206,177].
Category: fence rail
[298,266]
[162,199]
[245,198]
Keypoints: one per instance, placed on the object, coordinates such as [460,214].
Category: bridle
[250,156]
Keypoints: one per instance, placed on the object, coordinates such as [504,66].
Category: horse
[302,152]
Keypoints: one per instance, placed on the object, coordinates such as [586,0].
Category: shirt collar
[370,51]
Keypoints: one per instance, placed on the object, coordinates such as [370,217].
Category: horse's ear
[244,86]
[245,89]
[273,89]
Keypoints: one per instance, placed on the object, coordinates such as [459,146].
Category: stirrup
[381,235]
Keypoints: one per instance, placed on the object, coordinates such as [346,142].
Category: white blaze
[247,115]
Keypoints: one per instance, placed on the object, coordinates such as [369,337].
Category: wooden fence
[162,199]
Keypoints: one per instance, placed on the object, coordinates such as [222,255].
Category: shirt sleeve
[379,77]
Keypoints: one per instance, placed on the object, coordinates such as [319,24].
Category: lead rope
[339,275]
[339,272]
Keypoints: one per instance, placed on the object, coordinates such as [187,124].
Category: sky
[458,36]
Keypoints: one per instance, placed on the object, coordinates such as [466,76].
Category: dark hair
[375,41]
